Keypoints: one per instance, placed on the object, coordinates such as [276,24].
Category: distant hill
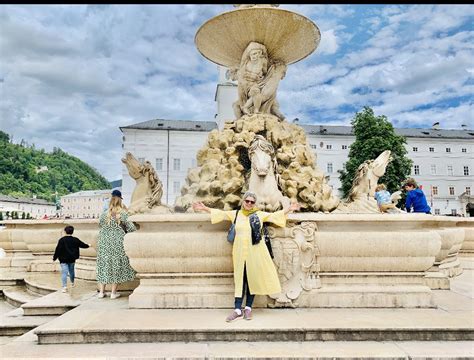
[115,184]
[26,171]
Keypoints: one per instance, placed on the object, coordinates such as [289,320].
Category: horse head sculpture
[148,190]
[367,176]
[263,180]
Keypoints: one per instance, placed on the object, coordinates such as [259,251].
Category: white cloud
[71,75]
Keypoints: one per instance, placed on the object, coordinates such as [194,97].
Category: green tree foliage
[66,174]
[375,134]
[1,216]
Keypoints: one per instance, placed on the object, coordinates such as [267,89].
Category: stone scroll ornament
[146,197]
[296,258]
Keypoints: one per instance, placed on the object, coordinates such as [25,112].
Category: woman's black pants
[245,290]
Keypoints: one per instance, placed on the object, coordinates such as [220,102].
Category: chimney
[435,126]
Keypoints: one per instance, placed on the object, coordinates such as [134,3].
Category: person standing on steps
[254,270]
[113,265]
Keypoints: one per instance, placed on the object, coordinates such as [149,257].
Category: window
[451,190]
[314,146]
[159,164]
[416,169]
[176,164]
[468,190]
[466,170]
[453,212]
[141,160]
[450,170]
[435,190]
[176,187]
[464,150]
[433,169]
[448,150]
[329,168]
[431,149]
[415,149]
[437,212]
[344,147]
[328,147]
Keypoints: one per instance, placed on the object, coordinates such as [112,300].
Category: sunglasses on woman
[249,201]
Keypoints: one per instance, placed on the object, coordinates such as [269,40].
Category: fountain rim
[274,9]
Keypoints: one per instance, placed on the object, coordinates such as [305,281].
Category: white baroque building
[88,204]
[37,208]
[442,159]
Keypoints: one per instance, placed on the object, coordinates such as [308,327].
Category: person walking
[113,265]
[67,251]
[254,270]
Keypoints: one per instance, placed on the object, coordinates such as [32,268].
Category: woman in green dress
[113,266]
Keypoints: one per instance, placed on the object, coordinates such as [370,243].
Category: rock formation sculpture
[146,197]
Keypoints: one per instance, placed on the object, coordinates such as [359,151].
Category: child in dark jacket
[415,198]
[67,251]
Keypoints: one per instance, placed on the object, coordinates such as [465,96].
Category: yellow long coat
[262,276]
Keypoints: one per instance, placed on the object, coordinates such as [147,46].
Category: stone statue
[361,196]
[263,181]
[258,80]
[146,196]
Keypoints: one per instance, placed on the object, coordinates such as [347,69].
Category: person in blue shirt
[383,198]
[415,198]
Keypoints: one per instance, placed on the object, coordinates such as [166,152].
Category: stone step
[111,321]
[9,277]
[14,323]
[39,284]
[18,295]
[58,303]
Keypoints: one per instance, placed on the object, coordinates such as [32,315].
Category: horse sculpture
[263,180]
[148,191]
[361,195]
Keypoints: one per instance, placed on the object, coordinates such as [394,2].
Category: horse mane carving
[155,184]
[359,177]
[148,190]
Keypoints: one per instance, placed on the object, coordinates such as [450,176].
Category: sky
[71,75]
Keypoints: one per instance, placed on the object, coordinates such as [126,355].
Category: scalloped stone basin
[323,260]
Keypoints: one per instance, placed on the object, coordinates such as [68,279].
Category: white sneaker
[73,284]
[101,295]
[114,295]
[64,289]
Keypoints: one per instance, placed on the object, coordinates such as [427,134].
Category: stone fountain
[333,254]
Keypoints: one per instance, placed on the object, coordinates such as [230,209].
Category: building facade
[442,159]
[37,208]
[85,204]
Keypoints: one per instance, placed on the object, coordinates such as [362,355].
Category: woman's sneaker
[101,295]
[64,289]
[248,314]
[233,316]
[114,295]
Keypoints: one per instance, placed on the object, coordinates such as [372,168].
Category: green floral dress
[113,266]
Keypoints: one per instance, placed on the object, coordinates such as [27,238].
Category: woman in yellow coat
[254,271]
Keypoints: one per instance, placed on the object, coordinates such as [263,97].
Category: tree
[4,137]
[1,215]
[375,134]
[23,217]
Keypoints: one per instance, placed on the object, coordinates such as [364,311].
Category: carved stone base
[179,291]
[437,280]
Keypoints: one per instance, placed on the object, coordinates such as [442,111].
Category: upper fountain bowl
[288,36]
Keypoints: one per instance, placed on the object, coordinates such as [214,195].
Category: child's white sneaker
[64,289]
[73,284]
[114,295]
